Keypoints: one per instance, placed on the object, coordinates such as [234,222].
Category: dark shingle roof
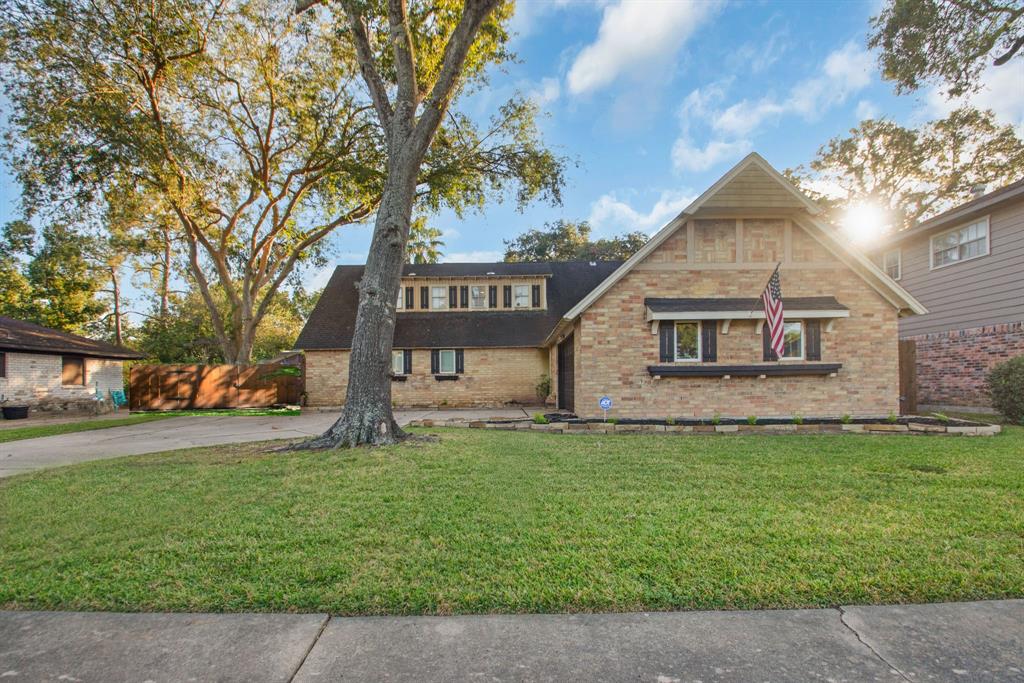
[18,335]
[331,324]
[805,303]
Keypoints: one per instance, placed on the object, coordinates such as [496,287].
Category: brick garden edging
[580,427]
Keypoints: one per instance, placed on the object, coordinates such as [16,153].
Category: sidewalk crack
[876,653]
[316,639]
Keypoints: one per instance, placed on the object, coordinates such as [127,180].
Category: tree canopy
[563,240]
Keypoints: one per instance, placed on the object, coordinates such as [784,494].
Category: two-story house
[677,330]
[967,267]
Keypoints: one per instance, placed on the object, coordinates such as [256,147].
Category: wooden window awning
[766,370]
[741,308]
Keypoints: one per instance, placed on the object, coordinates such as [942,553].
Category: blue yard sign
[605,403]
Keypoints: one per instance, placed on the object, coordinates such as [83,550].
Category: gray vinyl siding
[984,291]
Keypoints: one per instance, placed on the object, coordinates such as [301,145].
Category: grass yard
[31,431]
[488,521]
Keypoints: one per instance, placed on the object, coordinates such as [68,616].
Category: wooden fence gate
[908,377]
[188,387]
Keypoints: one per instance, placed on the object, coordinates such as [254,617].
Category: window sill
[446,378]
[781,370]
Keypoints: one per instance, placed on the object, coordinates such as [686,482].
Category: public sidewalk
[979,641]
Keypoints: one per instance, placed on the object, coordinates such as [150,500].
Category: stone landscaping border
[921,426]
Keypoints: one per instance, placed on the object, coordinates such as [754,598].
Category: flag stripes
[773,312]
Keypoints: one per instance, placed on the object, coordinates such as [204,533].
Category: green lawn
[486,521]
[31,431]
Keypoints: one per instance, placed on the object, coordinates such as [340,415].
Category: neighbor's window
[893,263]
[439,297]
[397,362]
[961,244]
[687,341]
[446,358]
[72,371]
[401,298]
[522,296]
[792,340]
[478,297]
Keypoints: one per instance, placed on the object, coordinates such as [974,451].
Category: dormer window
[521,295]
[478,296]
[439,298]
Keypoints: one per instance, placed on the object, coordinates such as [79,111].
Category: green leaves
[570,241]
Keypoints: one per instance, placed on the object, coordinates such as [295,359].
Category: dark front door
[566,383]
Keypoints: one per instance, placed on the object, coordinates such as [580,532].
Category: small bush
[892,419]
[846,419]
[670,420]
[941,417]
[798,419]
[1006,387]
[716,419]
[751,419]
[539,419]
[543,388]
[613,420]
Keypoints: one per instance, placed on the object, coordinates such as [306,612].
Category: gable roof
[332,322]
[873,275]
[18,335]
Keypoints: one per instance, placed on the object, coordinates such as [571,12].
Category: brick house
[47,369]
[967,267]
[676,330]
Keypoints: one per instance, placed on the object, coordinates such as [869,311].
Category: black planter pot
[15,412]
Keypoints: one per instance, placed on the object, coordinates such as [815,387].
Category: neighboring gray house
[967,267]
[47,369]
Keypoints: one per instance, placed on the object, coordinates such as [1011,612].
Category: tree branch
[367,65]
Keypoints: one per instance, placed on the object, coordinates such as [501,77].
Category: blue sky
[653,100]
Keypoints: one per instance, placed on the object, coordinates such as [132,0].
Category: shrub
[846,419]
[1006,387]
[543,388]
[613,420]
[892,419]
[539,419]
[751,419]
[670,420]
[798,419]
[716,419]
[941,417]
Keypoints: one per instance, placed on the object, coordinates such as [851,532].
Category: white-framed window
[960,244]
[439,297]
[892,263]
[792,340]
[521,296]
[401,298]
[398,362]
[687,341]
[478,296]
[446,361]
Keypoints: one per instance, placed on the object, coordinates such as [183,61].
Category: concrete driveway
[188,432]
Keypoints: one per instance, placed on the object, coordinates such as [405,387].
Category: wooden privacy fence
[186,387]
[908,377]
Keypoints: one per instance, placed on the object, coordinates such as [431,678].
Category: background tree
[564,240]
[913,173]
[425,242]
[949,42]
[416,59]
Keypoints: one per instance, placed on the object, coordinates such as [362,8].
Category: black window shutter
[812,342]
[766,344]
[424,298]
[453,296]
[407,361]
[535,291]
[667,340]
[492,296]
[460,362]
[409,298]
[507,295]
[3,364]
[435,361]
[709,341]
[464,296]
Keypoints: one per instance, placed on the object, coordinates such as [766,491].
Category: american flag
[773,313]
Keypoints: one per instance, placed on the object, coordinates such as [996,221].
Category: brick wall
[951,366]
[615,343]
[493,377]
[35,379]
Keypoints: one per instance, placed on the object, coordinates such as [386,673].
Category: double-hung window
[439,297]
[960,244]
[792,340]
[446,361]
[72,372]
[892,263]
[522,296]
[478,296]
[687,341]
[398,362]
[401,299]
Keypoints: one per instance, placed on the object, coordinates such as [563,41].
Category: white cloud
[866,109]
[481,256]
[688,157]
[610,215]
[546,92]
[633,35]
[1002,91]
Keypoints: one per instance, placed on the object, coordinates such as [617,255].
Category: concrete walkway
[980,641]
[188,432]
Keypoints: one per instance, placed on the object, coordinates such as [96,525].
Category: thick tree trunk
[367,417]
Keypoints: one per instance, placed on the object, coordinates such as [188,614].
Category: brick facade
[492,377]
[34,379]
[615,344]
[952,366]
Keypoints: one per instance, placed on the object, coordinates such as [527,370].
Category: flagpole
[750,313]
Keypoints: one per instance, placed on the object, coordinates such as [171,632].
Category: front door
[566,383]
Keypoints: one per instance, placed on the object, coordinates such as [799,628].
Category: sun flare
[864,222]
